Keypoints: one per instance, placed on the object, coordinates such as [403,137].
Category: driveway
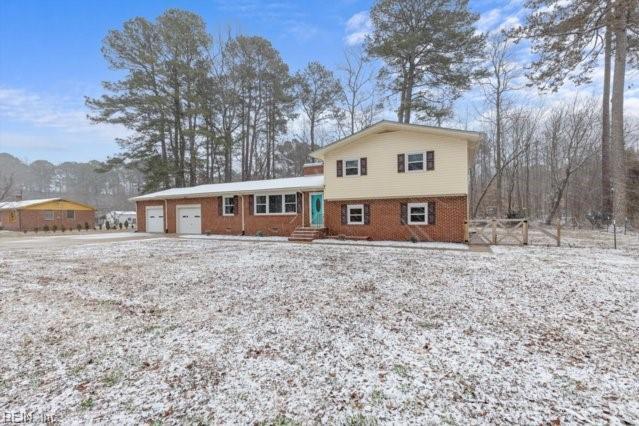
[62,240]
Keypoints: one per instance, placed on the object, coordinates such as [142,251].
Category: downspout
[242,210]
[304,210]
[166,217]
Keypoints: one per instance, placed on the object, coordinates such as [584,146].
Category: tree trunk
[557,201]
[606,196]
[498,189]
[616,131]
[312,119]
[408,100]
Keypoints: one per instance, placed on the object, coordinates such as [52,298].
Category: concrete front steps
[305,234]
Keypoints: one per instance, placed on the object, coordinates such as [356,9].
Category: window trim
[359,167]
[348,214]
[406,162]
[409,219]
[45,215]
[268,212]
[66,215]
[224,198]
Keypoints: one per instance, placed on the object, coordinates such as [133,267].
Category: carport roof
[303,183]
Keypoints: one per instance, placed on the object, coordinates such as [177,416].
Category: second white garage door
[189,220]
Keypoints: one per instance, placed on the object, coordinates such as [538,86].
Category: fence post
[614,230]
[494,231]
[466,232]
[525,232]
[559,234]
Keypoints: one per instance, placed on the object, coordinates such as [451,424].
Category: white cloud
[18,106]
[489,20]
[357,28]
[509,23]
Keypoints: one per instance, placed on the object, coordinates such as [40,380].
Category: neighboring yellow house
[27,215]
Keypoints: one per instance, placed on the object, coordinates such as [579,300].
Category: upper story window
[351,167]
[229,206]
[415,161]
[276,204]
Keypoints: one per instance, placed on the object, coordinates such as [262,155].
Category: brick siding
[385,220]
[31,219]
[212,222]
[316,169]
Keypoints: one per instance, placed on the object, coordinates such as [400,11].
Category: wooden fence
[505,231]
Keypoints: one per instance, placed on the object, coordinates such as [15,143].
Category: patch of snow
[301,183]
[398,244]
[235,238]
[178,330]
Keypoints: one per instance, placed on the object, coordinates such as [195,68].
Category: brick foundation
[30,219]
[385,220]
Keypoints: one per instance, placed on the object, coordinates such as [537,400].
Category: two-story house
[389,181]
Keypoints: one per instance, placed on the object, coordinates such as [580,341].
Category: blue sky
[50,57]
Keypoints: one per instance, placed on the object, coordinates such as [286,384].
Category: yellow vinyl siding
[450,176]
[59,205]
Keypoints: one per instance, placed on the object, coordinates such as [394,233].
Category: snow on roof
[14,205]
[246,187]
[120,212]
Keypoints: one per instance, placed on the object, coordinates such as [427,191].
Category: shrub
[62,228]
[259,234]
[120,225]
[79,226]
[413,239]
[54,228]
[35,229]
[515,214]
[107,225]
[126,224]
[100,226]
[45,228]
[25,231]
[86,226]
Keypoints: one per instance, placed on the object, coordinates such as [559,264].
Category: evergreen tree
[431,51]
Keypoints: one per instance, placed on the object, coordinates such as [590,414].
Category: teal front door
[317,209]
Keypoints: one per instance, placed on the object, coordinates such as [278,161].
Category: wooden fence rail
[504,231]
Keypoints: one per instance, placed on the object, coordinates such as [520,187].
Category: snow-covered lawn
[197,330]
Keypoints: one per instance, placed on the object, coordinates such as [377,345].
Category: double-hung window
[355,214]
[229,206]
[70,214]
[261,207]
[351,168]
[47,215]
[415,161]
[276,204]
[290,203]
[418,213]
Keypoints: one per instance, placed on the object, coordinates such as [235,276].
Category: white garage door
[155,219]
[189,220]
